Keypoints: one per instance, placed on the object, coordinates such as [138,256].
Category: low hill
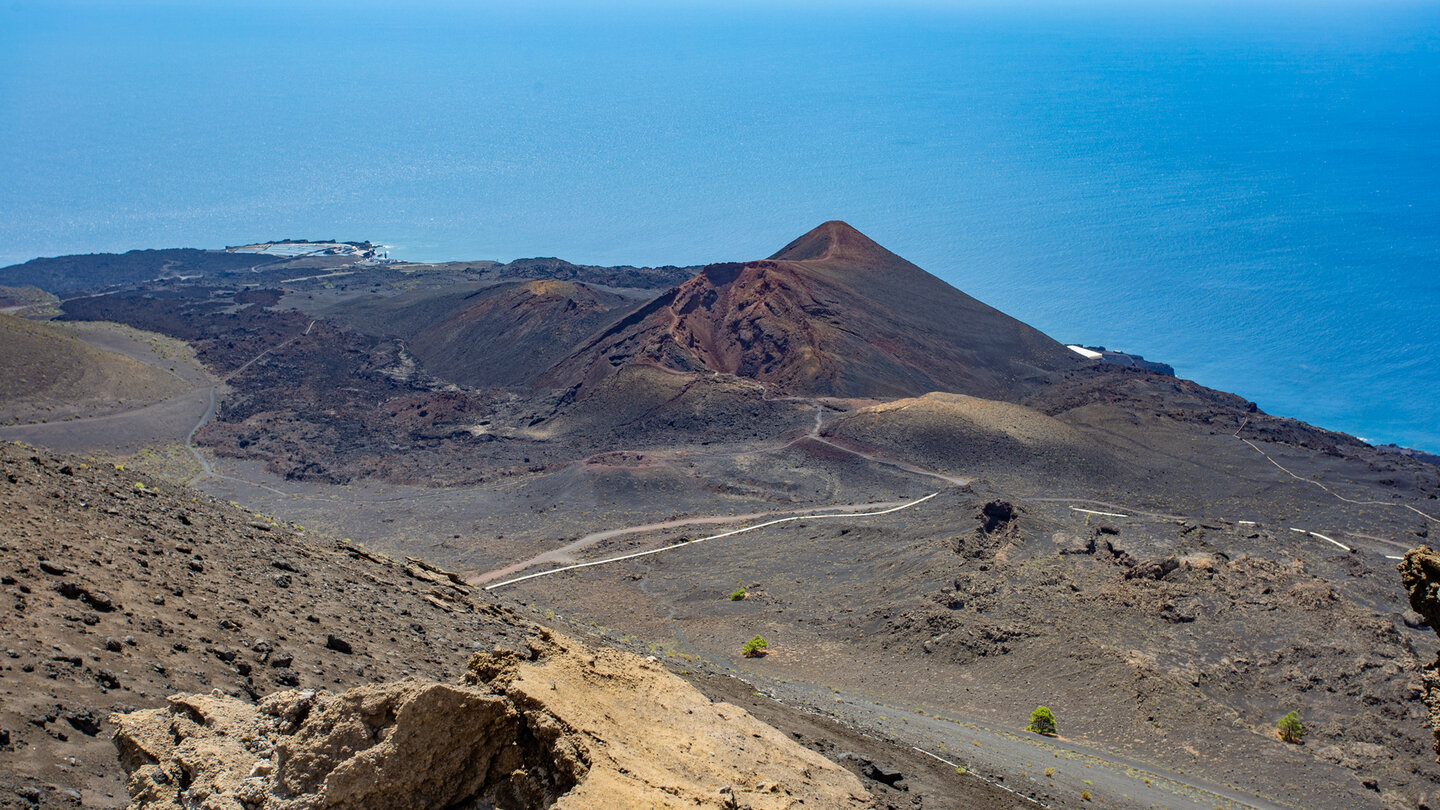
[504,334]
[623,276]
[66,275]
[32,298]
[47,373]
[954,433]
[831,314]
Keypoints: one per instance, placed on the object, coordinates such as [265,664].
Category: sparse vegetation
[1291,730]
[1085,794]
[738,594]
[1042,721]
[755,647]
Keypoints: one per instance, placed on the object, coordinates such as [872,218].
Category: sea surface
[1248,191]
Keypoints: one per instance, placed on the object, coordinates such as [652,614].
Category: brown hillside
[954,433]
[121,592]
[834,314]
[507,334]
[48,373]
[503,334]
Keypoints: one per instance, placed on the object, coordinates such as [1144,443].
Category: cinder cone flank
[832,313]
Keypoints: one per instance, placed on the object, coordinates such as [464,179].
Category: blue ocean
[1249,191]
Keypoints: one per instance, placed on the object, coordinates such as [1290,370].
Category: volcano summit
[830,314]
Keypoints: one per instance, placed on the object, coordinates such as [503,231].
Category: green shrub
[738,595]
[1042,721]
[1291,731]
[755,647]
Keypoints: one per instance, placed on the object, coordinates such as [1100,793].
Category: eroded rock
[564,726]
[1420,574]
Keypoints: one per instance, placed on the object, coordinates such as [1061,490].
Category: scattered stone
[86,722]
[1156,569]
[338,645]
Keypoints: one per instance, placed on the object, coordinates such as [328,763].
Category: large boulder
[559,726]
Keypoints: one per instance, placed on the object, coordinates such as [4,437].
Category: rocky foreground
[213,635]
[559,726]
[238,661]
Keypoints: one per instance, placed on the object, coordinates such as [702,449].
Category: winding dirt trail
[633,555]
[1328,490]
[564,553]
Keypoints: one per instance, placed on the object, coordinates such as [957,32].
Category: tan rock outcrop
[1420,574]
[564,726]
[656,742]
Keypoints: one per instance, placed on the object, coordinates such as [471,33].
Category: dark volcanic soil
[1173,642]
[118,596]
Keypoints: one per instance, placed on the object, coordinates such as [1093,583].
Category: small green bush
[755,647]
[1291,731]
[1042,721]
[738,595]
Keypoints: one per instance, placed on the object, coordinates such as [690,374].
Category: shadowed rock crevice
[999,529]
